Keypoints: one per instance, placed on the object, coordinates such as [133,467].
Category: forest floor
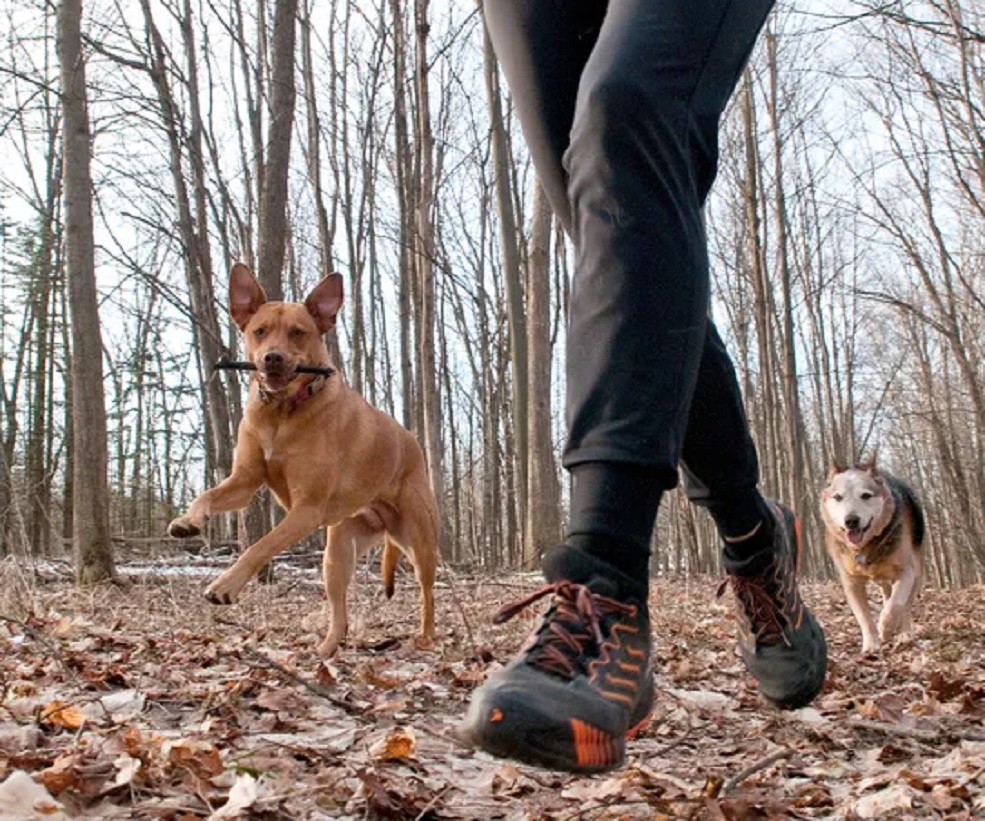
[143,701]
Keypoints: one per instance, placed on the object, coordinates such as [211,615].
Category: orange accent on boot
[593,747]
[640,725]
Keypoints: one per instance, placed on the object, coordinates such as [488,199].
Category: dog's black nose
[273,358]
[852,522]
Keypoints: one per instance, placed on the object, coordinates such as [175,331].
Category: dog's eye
[259,332]
[297,333]
[866,496]
[837,497]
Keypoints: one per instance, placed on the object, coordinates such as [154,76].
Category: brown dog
[874,531]
[329,457]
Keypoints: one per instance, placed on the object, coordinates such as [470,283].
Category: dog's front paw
[329,645]
[183,528]
[222,591]
[889,622]
[870,645]
[424,642]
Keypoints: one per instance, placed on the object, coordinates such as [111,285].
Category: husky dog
[874,531]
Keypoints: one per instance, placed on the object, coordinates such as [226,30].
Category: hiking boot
[780,641]
[582,683]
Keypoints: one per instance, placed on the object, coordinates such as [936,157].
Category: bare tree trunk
[543,517]
[93,550]
[764,310]
[273,195]
[794,490]
[406,194]
[427,354]
[513,278]
[325,228]
[273,229]
[38,471]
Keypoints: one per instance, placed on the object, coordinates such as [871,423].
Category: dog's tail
[388,565]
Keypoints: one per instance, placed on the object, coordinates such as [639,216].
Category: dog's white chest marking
[267,448]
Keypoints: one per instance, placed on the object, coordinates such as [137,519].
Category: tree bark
[326,230]
[405,193]
[273,194]
[764,311]
[193,229]
[513,279]
[543,516]
[424,264]
[91,526]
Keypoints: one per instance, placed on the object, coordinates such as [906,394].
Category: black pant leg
[642,156]
[630,95]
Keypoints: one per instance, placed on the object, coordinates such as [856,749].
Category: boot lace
[572,626]
[763,601]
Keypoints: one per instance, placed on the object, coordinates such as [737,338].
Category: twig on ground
[733,781]
[41,639]
[461,610]
[430,805]
[894,729]
[670,745]
[262,661]
[606,810]
[964,782]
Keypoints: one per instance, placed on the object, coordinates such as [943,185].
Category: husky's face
[855,503]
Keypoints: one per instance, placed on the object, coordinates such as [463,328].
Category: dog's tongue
[854,535]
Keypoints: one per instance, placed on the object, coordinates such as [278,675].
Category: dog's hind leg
[425,568]
[345,542]
[415,531]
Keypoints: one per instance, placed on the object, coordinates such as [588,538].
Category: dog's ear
[870,468]
[836,468]
[324,301]
[870,465]
[245,295]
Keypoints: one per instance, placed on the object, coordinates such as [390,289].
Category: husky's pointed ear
[245,295]
[870,465]
[324,301]
[836,468]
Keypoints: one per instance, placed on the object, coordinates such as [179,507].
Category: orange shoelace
[569,628]
[762,597]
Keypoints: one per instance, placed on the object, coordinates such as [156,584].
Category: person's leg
[543,48]
[627,409]
[641,347]
[654,85]
[719,460]
[643,155]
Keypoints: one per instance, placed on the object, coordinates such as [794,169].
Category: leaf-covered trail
[146,702]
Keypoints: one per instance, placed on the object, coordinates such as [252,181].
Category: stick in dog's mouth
[224,363]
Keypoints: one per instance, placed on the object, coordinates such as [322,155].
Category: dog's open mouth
[855,534]
[276,380]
